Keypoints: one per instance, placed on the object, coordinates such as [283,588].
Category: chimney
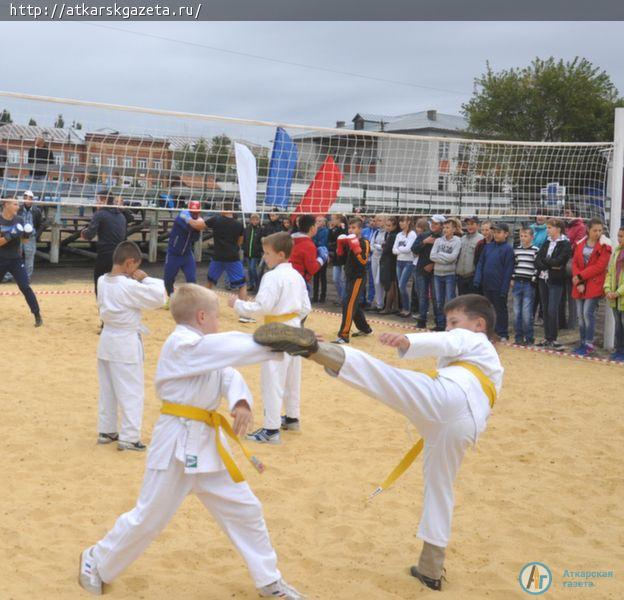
[340,124]
[432,115]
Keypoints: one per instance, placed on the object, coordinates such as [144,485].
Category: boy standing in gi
[189,453]
[450,408]
[122,295]
[283,298]
[357,250]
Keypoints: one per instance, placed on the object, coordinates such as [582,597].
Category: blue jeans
[586,314]
[404,274]
[339,281]
[30,248]
[252,272]
[523,293]
[423,289]
[618,315]
[443,292]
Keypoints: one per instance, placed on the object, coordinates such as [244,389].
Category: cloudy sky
[423,64]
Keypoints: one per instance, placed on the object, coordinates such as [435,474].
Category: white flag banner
[247,177]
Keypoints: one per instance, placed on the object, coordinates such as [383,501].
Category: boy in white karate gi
[282,297]
[122,295]
[450,408]
[188,452]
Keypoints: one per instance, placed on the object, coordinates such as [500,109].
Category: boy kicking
[189,452]
[282,297]
[449,409]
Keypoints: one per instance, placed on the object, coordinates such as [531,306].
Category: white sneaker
[280,589]
[88,576]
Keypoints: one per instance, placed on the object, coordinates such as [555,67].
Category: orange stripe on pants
[346,330]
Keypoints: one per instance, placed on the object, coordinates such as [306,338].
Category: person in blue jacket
[184,233]
[320,240]
[493,276]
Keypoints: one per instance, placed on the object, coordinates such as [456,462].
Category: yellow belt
[218,421]
[279,318]
[416,449]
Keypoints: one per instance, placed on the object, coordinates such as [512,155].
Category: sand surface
[545,483]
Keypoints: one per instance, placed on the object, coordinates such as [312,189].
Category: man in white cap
[32,215]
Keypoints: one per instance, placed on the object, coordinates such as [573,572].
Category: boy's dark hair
[356,221]
[558,223]
[594,221]
[279,242]
[527,230]
[474,306]
[305,223]
[126,250]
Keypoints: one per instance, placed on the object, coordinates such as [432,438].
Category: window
[442,183]
[96,160]
[443,150]
[14,157]
[142,163]
[127,162]
[74,159]
[157,164]
[112,161]
[59,158]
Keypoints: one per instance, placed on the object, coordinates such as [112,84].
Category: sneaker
[518,341]
[504,340]
[296,341]
[434,584]
[580,350]
[246,320]
[544,344]
[280,589]
[421,324]
[617,356]
[362,333]
[529,342]
[340,340]
[38,321]
[166,305]
[136,446]
[290,424]
[558,346]
[88,576]
[589,349]
[107,438]
[262,436]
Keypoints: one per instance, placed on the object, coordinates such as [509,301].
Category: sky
[437,63]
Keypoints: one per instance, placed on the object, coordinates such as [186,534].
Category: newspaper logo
[535,578]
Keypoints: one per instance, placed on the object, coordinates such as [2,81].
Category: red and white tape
[52,293]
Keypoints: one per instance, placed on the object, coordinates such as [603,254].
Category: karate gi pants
[280,381]
[121,387]
[233,505]
[439,410]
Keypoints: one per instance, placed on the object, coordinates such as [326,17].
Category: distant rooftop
[425,119]
[50,134]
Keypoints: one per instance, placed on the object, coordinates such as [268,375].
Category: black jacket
[37,216]
[332,244]
[423,251]
[355,264]
[109,224]
[252,241]
[271,227]
[556,264]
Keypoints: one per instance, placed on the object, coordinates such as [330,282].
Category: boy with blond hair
[282,297]
[189,452]
[122,295]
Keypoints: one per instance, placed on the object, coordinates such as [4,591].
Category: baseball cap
[472,218]
[438,219]
[501,226]
[194,205]
[29,194]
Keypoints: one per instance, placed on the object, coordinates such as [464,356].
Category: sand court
[544,484]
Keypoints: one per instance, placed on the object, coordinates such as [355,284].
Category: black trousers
[320,281]
[352,309]
[502,313]
[103,264]
[16,267]
[465,285]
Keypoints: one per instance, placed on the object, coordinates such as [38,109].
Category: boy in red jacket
[306,258]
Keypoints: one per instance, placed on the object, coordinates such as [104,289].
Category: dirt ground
[544,484]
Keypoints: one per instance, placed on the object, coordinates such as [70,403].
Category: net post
[615,217]
[55,236]
[152,253]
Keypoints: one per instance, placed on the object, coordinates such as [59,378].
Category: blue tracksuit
[180,251]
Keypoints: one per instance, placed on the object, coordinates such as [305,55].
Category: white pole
[615,218]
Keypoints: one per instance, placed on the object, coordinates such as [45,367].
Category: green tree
[549,100]
[60,123]
[5,117]
[32,123]
[219,154]
[193,157]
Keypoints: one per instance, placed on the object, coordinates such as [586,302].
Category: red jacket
[575,231]
[593,273]
[303,256]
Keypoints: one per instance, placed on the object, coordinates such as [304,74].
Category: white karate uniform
[120,350]
[450,412]
[282,291]
[194,369]
[376,242]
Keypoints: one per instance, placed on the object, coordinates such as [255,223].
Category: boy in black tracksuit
[252,251]
[356,251]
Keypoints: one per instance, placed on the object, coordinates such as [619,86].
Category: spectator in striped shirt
[523,282]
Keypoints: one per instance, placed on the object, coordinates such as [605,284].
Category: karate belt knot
[279,318]
[217,421]
[488,389]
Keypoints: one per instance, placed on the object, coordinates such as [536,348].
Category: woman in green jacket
[614,291]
